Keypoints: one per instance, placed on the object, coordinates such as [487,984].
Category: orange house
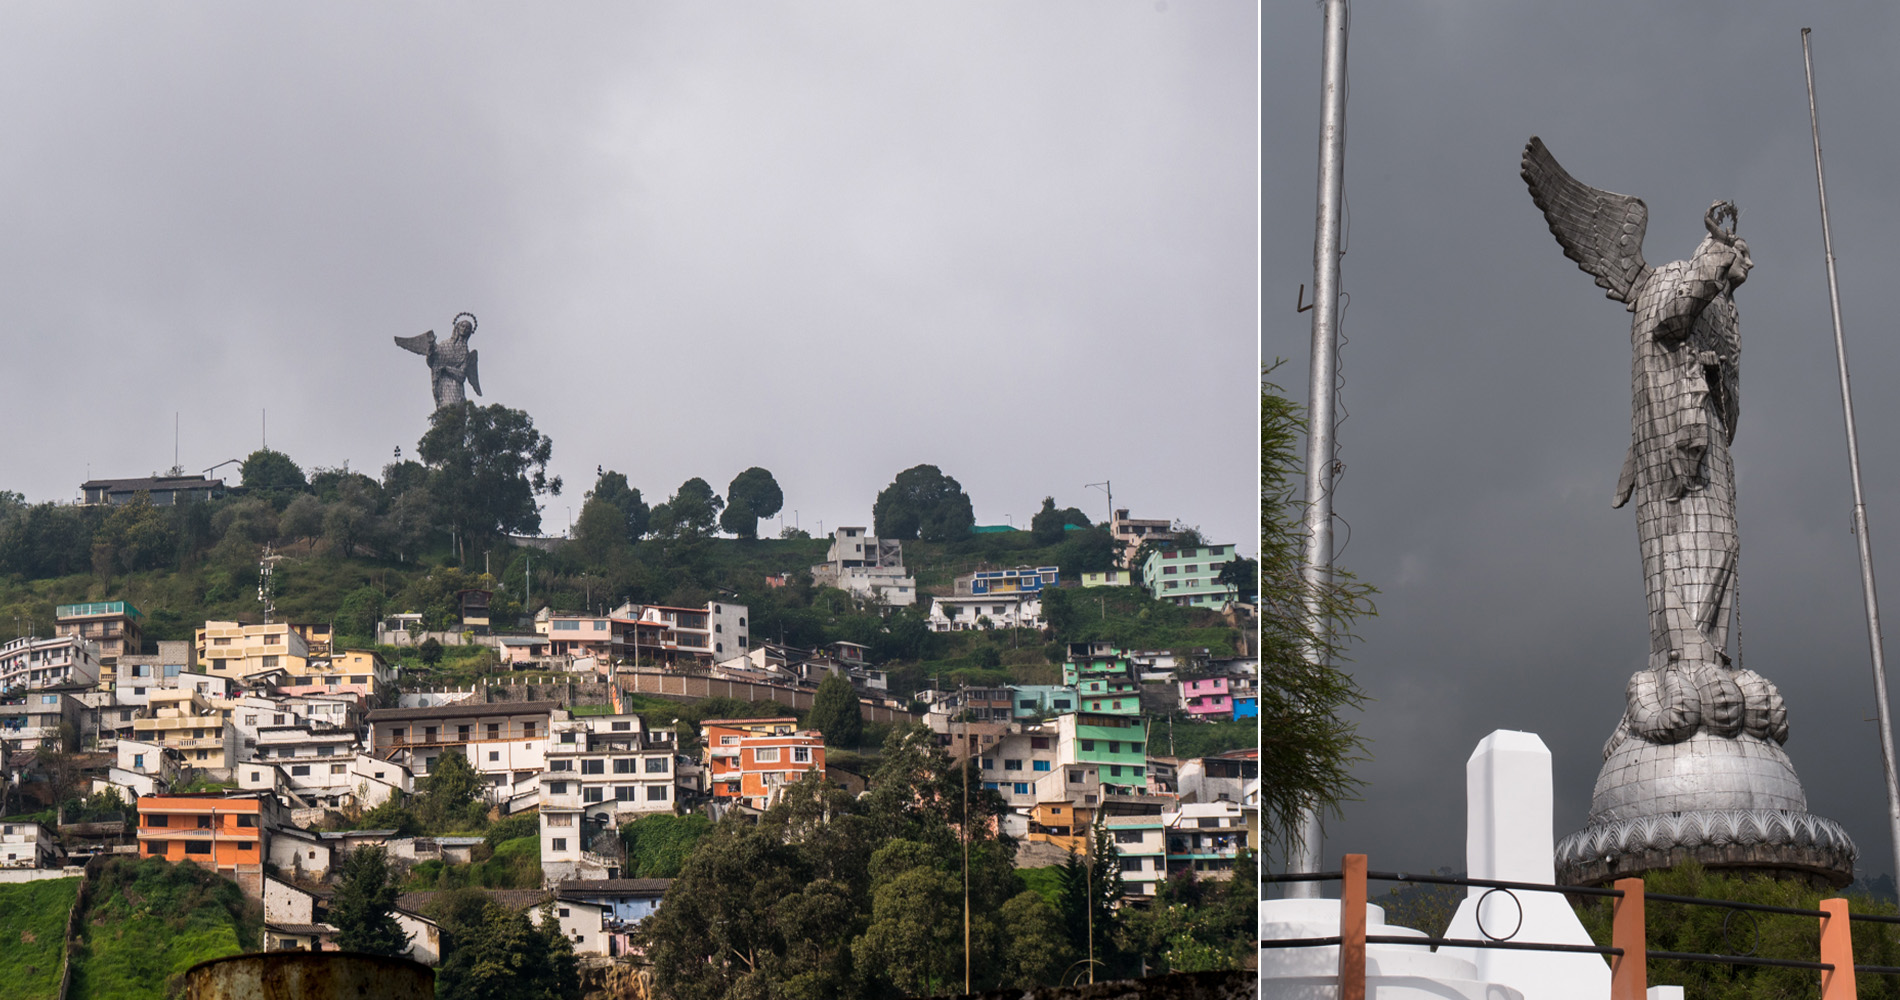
[747,759]
[229,835]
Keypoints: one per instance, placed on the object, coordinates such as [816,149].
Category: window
[567,737]
[1113,745]
[1137,771]
[204,755]
[250,720]
[621,727]
[326,751]
[270,662]
[592,794]
[594,766]
[1114,770]
[337,769]
[1134,748]
[428,734]
[557,788]
[197,847]
[656,793]
[1039,765]
[494,730]
[255,776]
[600,626]
[1128,837]
[560,843]
[560,765]
[726,741]
[300,771]
[494,755]
[656,765]
[801,755]
[626,793]
[1022,788]
[156,819]
[204,822]
[1012,764]
[527,730]
[624,765]
[397,733]
[138,760]
[49,699]
[567,626]
[765,755]
[561,820]
[1039,743]
[1061,703]
[462,732]
[1088,746]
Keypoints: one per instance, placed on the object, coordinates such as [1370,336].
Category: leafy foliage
[451,796]
[1049,524]
[492,953]
[486,466]
[1307,745]
[1700,930]
[272,475]
[752,494]
[924,503]
[835,712]
[362,908]
[690,513]
[612,488]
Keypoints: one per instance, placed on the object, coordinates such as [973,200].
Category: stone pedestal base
[1725,802]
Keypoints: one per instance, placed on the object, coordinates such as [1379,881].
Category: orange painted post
[1837,949]
[1352,928]
[1629,973]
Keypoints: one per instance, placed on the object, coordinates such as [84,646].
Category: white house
[601,771]
[963,614]
[867,567]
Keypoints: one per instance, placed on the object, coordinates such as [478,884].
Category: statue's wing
[1602,232]
[468,368]
[423,345]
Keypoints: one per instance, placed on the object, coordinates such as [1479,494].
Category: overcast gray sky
[1018,241]
[1487,378]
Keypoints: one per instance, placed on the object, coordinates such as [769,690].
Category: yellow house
[186,721]
[236,650]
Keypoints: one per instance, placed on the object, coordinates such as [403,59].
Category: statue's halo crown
[457,321]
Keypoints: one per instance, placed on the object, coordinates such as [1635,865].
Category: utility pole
[1317,562]
[967,751]
[1860,504]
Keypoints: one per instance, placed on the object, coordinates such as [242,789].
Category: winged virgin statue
[1685,384]
[449,364]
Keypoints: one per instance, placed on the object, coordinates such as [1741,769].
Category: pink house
[1208,698]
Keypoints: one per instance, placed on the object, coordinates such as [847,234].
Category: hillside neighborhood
[522,744]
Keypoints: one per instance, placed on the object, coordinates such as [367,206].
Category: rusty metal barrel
[309,975]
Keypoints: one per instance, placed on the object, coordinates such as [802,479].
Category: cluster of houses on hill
[233,748]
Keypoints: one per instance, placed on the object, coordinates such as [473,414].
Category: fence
[1628,952]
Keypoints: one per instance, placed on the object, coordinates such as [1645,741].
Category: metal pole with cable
[1317,562]
[1853,464]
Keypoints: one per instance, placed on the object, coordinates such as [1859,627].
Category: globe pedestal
[1729,802]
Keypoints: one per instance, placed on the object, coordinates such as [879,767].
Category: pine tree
[362,908]
[834,712]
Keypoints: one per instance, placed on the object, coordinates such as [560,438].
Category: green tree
[835,712]
[271,474]
[691,512]
[612,487]
[486,466]
[753,494]
[1243,575]
[303,517]
[492,953]
[723,931]
[1091,889]
[362,909]
[600,534]
[135,536]
[1049,525]
[1308,747]
[359,612]
[430,651]
[924,503]
[451,796]
[1036,949]
[915,937]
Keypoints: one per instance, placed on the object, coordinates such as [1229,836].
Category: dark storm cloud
[1016,241]
[1488,379]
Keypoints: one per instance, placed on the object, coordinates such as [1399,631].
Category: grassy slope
[32,935]
[151,920]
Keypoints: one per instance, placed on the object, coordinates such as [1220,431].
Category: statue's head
[464,325]
[1722,248]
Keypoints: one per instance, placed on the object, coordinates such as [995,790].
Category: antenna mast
[1316,565]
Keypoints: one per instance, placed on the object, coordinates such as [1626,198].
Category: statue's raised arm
[1600,230]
